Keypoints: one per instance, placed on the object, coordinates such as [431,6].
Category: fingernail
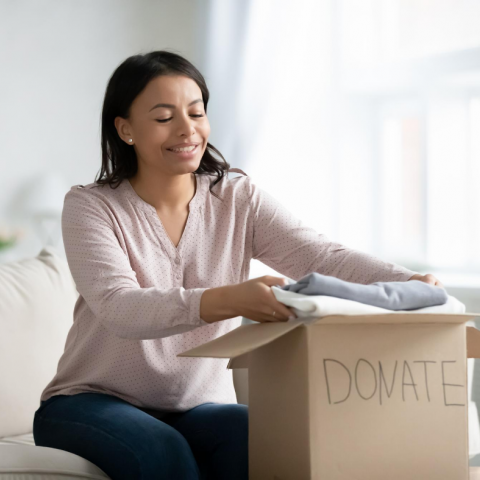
[291,317]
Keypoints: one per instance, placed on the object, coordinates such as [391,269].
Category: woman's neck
[165,193]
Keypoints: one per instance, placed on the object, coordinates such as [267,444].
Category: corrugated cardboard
[359,397]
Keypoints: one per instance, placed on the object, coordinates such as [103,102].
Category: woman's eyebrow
[169,105]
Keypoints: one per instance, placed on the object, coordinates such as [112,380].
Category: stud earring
[130,140]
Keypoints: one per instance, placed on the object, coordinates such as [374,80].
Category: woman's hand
[255,300]
[428,278]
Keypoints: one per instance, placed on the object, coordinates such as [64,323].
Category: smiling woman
[159,248]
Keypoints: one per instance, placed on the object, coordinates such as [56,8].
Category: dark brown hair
[119,160]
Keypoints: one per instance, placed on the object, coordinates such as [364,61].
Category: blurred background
[361,116]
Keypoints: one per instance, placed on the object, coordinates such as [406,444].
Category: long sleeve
[287,245]
[108,284]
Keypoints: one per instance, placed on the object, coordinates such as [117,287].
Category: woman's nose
[186,126]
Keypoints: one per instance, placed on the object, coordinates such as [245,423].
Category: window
[414,65]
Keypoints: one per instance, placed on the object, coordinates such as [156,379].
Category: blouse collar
[196,201]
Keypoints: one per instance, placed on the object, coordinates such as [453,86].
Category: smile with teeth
[184,149]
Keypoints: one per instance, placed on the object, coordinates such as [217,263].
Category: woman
[159,247]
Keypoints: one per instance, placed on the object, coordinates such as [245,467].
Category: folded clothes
[316,306]
[410,295]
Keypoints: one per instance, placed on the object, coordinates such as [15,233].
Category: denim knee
[169,454]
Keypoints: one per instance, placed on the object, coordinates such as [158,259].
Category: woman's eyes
[167,119]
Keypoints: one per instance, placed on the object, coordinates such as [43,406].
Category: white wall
[56,57]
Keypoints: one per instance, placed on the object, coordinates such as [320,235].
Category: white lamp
[44,204]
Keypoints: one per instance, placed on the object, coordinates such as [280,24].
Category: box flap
[242,340]
[239,362]
[395,318]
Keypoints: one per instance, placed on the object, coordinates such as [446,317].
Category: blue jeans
[208,442]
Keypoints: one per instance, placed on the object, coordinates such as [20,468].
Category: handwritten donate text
[370,381]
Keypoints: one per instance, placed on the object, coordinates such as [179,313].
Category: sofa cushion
[43,463]
[25,439]
[37,299]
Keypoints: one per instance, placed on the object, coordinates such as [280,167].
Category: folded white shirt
[316,306]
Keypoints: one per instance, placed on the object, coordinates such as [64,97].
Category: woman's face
[168,113]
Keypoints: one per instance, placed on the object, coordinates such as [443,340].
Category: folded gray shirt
[390,295]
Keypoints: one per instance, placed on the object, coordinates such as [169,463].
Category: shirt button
[177,260]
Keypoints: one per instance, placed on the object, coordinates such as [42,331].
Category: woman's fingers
[282,312]
[271,310]
[428,278]
[274,281]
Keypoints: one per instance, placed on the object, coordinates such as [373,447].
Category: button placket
[177,267]
[195,211]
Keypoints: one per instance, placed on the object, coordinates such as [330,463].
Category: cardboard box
[361,397]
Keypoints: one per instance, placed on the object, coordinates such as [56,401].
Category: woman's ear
[123,130]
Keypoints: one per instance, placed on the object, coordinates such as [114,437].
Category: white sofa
[37,298]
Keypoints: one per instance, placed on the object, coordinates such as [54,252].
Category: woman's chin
[187,166]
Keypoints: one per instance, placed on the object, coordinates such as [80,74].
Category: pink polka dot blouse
[139,302]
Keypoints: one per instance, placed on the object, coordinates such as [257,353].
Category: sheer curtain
[272,102]
[223,28]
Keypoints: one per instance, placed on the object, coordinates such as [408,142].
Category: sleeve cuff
[405,275]
[194,310]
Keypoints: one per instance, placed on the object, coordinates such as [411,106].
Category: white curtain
[268,67]
[223,32]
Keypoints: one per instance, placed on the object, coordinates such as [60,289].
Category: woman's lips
[184,154]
